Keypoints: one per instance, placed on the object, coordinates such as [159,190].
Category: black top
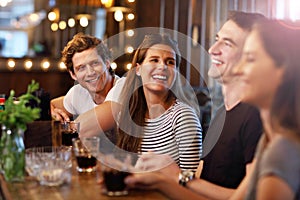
[235,142]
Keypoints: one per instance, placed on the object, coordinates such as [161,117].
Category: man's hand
[58,111]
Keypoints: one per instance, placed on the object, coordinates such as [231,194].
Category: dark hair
[134,108]
[244,20]
[282,43]
[82,42]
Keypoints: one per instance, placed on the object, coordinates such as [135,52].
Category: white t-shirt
[115,92]
[78,100]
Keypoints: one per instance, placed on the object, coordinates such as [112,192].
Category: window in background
[288,9]
[13,35]
[13,43]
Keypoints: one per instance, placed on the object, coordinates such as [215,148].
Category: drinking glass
[68,131]
[86,150]
[114,168]
[50,165]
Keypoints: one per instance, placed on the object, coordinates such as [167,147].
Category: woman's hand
[148,180]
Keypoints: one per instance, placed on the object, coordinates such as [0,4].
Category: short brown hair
[82,42]
[244,20]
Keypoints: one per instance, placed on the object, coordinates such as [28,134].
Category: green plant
[14,120]
[18,114]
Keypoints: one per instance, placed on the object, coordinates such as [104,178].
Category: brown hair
[132,118]
[82,42]
[282,43]
[244,20]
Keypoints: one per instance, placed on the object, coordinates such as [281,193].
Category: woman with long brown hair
[156,115]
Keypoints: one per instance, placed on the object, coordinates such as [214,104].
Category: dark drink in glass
[114,182]
[67,136]
[68,131]
[86,163]
[85,153]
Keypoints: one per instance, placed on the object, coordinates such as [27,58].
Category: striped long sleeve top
[176,132]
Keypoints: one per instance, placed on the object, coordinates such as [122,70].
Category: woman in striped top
[156,116]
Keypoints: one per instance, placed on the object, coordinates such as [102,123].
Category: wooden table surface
[83,186]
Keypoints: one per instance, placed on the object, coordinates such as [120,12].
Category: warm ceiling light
[62,25]
[113,65]
[130,33]
[130,16]
[71,22]
[131,1]
[84,22]
[11,64]
[107,3]
[118,15]
[4,3]
[45,65]
[62,66]
[53,15]
[129,49]
[128,66]
[28,65]
[54,26]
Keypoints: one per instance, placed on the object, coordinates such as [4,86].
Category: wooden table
[81,187]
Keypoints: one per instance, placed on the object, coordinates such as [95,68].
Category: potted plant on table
[14,120]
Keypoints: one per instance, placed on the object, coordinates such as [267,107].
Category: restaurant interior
[34,32]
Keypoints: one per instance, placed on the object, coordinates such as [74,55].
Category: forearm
[175,191]
[97,120]
[209,190]
[58,111]
[57,103]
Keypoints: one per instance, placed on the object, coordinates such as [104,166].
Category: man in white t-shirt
[88,62]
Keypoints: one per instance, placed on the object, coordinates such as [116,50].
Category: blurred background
[34,32]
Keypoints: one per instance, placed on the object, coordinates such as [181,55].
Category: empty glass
[50,165]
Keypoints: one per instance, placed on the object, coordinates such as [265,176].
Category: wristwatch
[185,176]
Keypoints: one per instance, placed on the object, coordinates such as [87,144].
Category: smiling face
[90,70]
[158,70]
[258,73]
[226,51]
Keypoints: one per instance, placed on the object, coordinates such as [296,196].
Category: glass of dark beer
[115,168]
[68,131]
[86,150]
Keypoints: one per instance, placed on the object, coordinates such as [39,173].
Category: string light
[113,65]
[28,65]
[11,64]
[118,15]
[71,22]
[128,66]
[130,33]
[54,26]
[130,16]
[129,49]
[84,22]
[62,66]
[45,65]
[62,25]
